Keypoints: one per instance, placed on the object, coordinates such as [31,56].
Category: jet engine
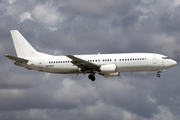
[110,68]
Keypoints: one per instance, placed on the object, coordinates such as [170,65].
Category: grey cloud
[90,27]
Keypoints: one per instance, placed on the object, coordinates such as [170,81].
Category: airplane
[108,65]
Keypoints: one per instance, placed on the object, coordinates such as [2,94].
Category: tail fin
[22,47]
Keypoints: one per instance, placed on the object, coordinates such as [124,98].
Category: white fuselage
[126,62]
[108,65]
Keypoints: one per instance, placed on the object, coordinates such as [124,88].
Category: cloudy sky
[61,27]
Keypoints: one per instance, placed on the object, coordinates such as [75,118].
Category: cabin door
[154,59]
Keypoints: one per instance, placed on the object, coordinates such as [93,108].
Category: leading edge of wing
[82,63]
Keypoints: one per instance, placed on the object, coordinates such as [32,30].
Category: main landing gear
[158,75]
[92,77]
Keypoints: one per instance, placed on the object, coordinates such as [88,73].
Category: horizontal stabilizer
[16,58]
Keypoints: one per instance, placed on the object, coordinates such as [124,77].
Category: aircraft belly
[62,69]
[138,68]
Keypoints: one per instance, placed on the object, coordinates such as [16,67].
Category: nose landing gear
[158,75]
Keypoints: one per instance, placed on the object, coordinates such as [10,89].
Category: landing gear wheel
[92,77]
[158,75]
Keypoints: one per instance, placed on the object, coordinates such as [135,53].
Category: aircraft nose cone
[171,63]
[175,63]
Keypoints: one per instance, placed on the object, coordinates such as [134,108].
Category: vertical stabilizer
[22,47]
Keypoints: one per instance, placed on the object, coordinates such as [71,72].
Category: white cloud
[71,90]
[53,28]
[47,75]
[176,3]
[38,114]
[11,1]
[165,44]
[164,115]
[13,10]
[57,52]
[91,7]
[25,15]
[47,14]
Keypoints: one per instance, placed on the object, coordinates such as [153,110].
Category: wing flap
[16,58]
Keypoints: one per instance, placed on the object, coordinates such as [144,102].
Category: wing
[83,64]
[16,58]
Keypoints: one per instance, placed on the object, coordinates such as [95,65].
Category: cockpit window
[165,57]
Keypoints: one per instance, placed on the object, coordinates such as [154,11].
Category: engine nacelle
[110,68]
[112,74]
